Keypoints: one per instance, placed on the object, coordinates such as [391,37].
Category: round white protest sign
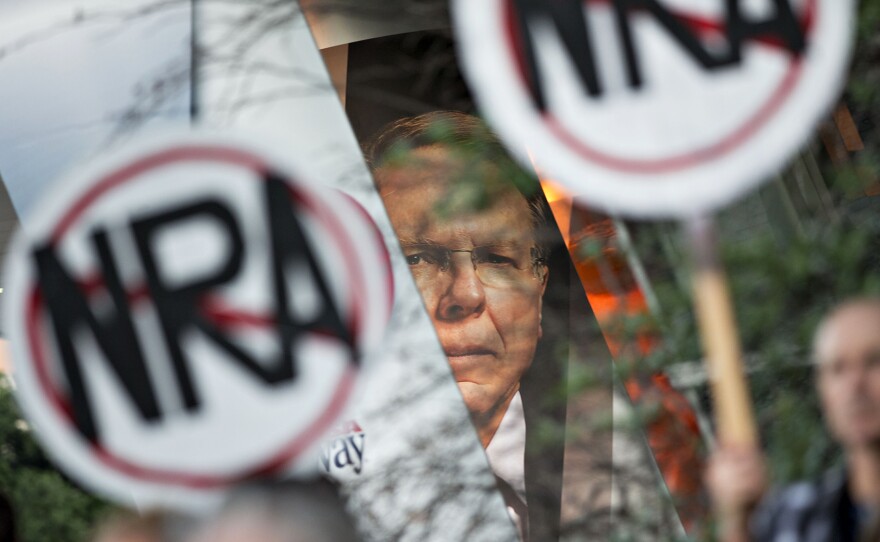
[655,107]
[189,314]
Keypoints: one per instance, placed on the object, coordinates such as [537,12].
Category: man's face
[475,273]
[848,355]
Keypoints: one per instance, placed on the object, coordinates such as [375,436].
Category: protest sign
[655,109]
[190,313]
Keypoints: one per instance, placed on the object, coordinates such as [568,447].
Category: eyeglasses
[497,267]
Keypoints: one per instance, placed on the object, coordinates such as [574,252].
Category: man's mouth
[863,410]
[459,352]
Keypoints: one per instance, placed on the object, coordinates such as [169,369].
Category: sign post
[718,330]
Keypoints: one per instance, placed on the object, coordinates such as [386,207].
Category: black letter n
[114,334]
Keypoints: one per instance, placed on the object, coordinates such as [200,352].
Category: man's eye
[496,259]
[833,368]
[420,258]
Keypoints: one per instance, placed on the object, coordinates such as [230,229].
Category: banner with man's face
[496,278]
[479,239]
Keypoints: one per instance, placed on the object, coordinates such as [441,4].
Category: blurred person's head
[128,527]
[281,512]
[473,244]
[847,354]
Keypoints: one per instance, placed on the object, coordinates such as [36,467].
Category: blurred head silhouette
[281,512]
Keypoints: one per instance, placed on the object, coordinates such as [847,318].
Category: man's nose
[851,382]
[859,378]
[465,295]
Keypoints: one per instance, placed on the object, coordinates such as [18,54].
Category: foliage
[47,505]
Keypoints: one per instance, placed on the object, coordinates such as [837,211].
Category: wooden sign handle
[735,420]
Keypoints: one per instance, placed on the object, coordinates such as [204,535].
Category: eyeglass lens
[494,266]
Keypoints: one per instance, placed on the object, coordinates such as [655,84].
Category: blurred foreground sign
[188,314]
[650,107]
